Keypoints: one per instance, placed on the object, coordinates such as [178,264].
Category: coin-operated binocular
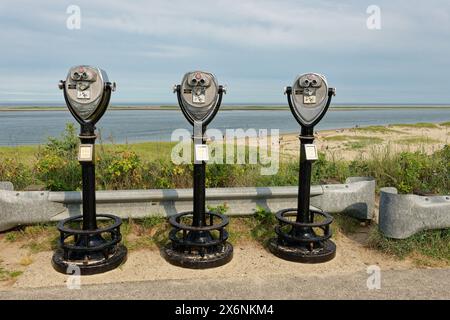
[87,93]
[307,238]
[198,238]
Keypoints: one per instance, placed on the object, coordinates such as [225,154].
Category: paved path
[407,284]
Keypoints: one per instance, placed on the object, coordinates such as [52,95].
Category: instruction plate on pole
[86,153]
[201,152]
[311,152]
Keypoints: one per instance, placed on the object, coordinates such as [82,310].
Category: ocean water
[33,127]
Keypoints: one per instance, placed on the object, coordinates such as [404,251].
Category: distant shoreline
[372,130]
[231,108]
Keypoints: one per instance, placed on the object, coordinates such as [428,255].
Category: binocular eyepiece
[199,79]
[82,76]
[310,80]
[196,82]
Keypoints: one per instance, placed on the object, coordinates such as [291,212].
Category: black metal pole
[199,217]
[304,186]
[87,136]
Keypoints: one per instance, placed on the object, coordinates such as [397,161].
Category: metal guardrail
[403,215]
[356,197]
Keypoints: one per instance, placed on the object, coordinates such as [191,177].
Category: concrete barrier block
[18,208]
[403,215]
[356,198]
[6,185]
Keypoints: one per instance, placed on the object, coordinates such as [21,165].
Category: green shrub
[410,168]
[58,173]
[119,170]
[161,174]
[407,171]
[220,209]
[66,145]
[220,175]
[262,229]
[57,166]
[16,172]
[324,170]
[287,175]
[423,173]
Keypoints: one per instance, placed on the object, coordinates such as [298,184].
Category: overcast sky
[255,47]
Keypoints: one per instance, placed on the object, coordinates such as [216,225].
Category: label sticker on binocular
[86,94]
[198,95]
[309,99]
[311,152]
[201,152]
[86,153]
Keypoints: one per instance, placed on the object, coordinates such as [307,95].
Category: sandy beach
[347,144]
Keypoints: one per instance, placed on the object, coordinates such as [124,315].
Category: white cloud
[167,51]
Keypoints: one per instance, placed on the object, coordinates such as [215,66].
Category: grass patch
[261,226]
[35,238]
[239,230]
[356,145]
[148,233]
[242,230]
[6,275]
[445,124]
[11,236]
[26,154]
[377,129]
[336,138]
[417,140]
[425,125]
[355,142]
[149,151]
[344,224]
[425,248]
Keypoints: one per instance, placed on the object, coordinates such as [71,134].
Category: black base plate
[115,260]
[301,254]
[222,256]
